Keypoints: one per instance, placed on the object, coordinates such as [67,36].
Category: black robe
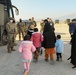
[73,49]
[49,36]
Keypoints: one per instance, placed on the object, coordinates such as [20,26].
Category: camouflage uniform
[42,26]
[30,23]
[11,31]
[21,29]
[34,23]
[15,35]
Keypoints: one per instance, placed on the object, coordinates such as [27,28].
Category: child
[36,38]
[59,48]
[26,48]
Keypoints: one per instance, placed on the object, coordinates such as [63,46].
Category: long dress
[73,49]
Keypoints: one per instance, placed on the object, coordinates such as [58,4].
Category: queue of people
[46,40]
[33,41]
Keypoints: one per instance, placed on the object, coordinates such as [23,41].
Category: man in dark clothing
[72,27]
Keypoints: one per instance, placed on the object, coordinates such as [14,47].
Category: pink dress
[26,48]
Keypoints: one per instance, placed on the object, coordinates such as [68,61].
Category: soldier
[34,22]
[21,29]
[42,25]
[11,31]
[15,35]
[30,23]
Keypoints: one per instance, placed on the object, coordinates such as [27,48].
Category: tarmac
[11,63]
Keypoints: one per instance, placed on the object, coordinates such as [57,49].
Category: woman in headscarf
[49,41]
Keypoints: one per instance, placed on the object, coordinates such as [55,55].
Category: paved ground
[11,64]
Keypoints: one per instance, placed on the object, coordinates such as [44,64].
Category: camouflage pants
[41,30]
[23,33]
[36,54]
[10,41]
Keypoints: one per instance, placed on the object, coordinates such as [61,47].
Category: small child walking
[59,48]
[26,48]
[36,38]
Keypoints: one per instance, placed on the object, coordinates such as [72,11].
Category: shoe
[13,50]
[26,72]
[46,60]
[74,67]
[52,62]
[9,51]
[69,58]
[57,59]
[61,59]
[35,60]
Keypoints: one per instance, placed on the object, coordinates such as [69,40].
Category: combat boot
[13,49]
[9,50]
[19,39]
